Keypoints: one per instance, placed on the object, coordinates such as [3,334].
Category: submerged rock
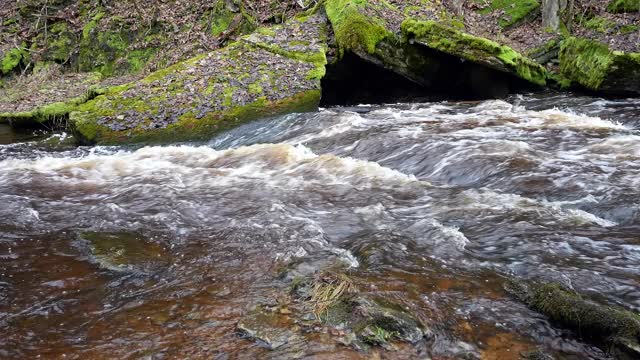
[267,327]
[616,329]
[123,252]
[274,71]
[594,66]
[374,321]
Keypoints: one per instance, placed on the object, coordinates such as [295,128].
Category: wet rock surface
[614,327]
[123,252]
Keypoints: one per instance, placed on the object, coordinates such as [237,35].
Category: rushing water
[429,205]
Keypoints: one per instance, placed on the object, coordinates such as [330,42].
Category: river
[157,252]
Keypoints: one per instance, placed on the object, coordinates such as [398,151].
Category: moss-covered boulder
[592,65]
[623,6]
[276,70]
[382,34]
[475,49]
[613,328]
[45,96]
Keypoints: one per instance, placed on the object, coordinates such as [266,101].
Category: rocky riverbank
[103,70]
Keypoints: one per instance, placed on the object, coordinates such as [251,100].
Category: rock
[536,355]
[611,327]
[274,71]
[545,53]
[592,65]
[266,327]
[374,322]
[384,35]
[46,96]
[475,49]
[123,252]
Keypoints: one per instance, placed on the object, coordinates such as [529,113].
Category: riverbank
[423,50]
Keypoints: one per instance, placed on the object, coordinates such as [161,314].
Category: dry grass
[329,288]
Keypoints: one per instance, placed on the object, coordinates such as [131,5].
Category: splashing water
[159,250]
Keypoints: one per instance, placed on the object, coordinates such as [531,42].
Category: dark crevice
[353,80]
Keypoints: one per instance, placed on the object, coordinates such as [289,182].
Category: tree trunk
[551,14]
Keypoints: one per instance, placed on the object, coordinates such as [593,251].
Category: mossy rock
[107,48]
[374,321]
[592,65]
[260,75]
[475,49]
[354,27]
[43,98]
[123,252]
[611,327]
[623,6]
[60,44]
[11,58]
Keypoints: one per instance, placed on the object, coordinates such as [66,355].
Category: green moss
[60,43]
[88,28]
[12,58]
[612,325]
[219,19]
[49,112]
[622,6]
[515,11]
[585,61]
[255,88]
[561,81]
[354,31]
[188,127]
[599,24]
[473,48]
[109,51]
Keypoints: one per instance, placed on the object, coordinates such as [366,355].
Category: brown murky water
[158,252]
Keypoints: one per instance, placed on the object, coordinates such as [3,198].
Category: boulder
[46,96]
[474,49]
[611,327]
[273,71]
[380,33]
[592,65]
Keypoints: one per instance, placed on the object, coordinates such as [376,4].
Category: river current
[430,205]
